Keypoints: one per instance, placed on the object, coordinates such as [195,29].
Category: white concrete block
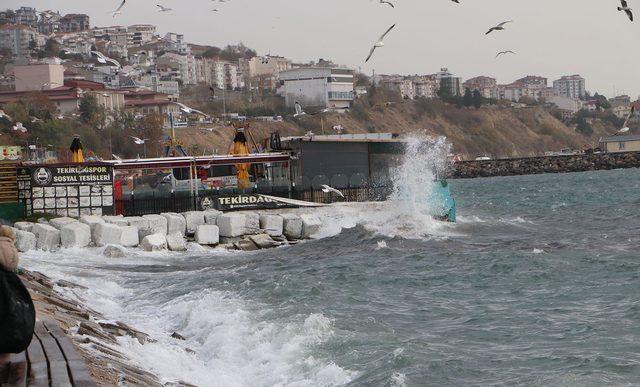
[292,226]
[75,234]
[272,224]
[210,216]
[193,219]
[263,241]
[138,221]
[91,220]
[113,251]
[23,226]
[157,223]
[252,223]
[117,220]
[176,242]
[231,225]
[61,222]
[311,225]
[154,242]
[107,234]
[48,237]
[129,237]
[176,224]
[207,234]
[25,241]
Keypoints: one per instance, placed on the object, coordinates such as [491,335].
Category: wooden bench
[50,360]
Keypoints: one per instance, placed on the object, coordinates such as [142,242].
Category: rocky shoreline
[551,164]
[95,337]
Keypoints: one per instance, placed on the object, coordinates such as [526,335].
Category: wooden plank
[58,373]
[18,370]
[38,368]
[77,367]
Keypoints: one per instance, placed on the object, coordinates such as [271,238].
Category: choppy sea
[537,284]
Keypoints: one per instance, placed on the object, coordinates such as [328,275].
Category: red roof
[84,84]
[147,102]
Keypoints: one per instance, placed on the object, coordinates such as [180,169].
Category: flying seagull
[625,126]
[456,1]
[379,43]
[139,141]
[117,11]
[163,9]
[299,111]
[499,27]
[5,115]
[20,127]
[505,52]
[387,2]
[625,8]
[327,189]
[104,59]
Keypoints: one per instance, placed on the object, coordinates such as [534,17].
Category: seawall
[546,164]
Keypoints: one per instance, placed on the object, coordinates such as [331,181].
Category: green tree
[467,100]
[583,126]
[477,99]
[51,48]
[90,111]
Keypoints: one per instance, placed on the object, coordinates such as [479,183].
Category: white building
[140,34]
[19,39]
[176,43]
[572,86]
[320,87]
[566,104]
[185,64]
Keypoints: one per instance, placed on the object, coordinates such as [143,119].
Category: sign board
[67,190]
[242,202]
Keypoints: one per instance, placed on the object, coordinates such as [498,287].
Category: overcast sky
[551,37]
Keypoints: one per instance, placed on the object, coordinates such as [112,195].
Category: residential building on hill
[141,34]
[74,22]
[487,86]
[26,16]
[533,82]
[449,82]
[37,77]
[572,86]
[22,40]
[318,87]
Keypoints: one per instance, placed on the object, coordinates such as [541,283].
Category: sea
[538,283]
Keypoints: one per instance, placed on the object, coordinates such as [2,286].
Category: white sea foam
[538,251]
[398,379]
[381,245]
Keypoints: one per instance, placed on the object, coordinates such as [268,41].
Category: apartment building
[572,86]
[318,87]
[487,86]
[20,39]
[74,22]
[140,34]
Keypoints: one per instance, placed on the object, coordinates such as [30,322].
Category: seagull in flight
[299,111]
[379,43]
[163,9]
[327,189]
[20,127]
[456,1]
[625,7]
[139,141]
[104,59]
[505,52]
[625,126]
[117,11]
[387,2]
[5,115]
[499,27]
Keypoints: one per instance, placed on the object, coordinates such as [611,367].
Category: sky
[551,37]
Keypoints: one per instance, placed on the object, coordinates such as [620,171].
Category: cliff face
[492,130]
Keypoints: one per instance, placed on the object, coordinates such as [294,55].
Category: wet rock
[107,234]
[67,284]
[113,251]
[154,242]
[292,226]
[207,234]
[193,220]
[178,336]
[61,222]
[91,220]
[311,225]
[92,329]
[130,236]
[75,234]
[272,224]
[252,222]
[48,237]
[176,242]
[176,223]
[211,216]
[263,241]
[25,240]
[245,245]
[138,221]
[157,223]
[117,220]
[23,226]
[231,225]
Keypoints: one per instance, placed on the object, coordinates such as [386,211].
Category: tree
[38,105]
[33,45]
[467,100]
[583,126]
[51,48]
[477,99]
[90,111]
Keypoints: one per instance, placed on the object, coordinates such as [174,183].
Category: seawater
[537,284]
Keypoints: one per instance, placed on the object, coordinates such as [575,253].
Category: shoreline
[94,336]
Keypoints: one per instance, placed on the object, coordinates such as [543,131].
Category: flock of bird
[624,6]
[161,8]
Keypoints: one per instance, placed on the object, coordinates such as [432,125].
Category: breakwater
[546,164]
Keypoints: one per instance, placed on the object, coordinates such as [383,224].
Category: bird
[387,2]
[5,115]
[163,9]
[327,189]
[20,127]
[214,10]
[625,7]
[104,59]
[117,11]
[505,52]
[625,126]
[499,27]
[139,141]
[116,157]
[299,111]
[379,43]
[456,1]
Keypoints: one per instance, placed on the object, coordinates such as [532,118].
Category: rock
[67,284]
[48,237]
[178,336]
[91,220]
[245,245]
[176,224]
[311,225]
[25,240]
[107,234]
[176,242]
[231,225]
[117,220]
[292,226]
[23,226]
[229,240]
[207,234]
[138,221]
[113,251]
[154,242]
[272,224]
[263,241]
[61,222]
[157,223]
[211,216]
[43,221]
[193,219]
[252,223]
[75,234]
[129,237]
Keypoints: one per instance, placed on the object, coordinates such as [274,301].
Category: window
[621,145]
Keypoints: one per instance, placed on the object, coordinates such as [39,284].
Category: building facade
[487,86]
[319,87]
[20,39]
[572,86]
[38,77]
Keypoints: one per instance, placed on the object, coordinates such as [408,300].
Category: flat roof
[631,137]
[357,137]
[201,161]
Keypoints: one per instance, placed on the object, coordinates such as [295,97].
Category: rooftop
[631,137]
